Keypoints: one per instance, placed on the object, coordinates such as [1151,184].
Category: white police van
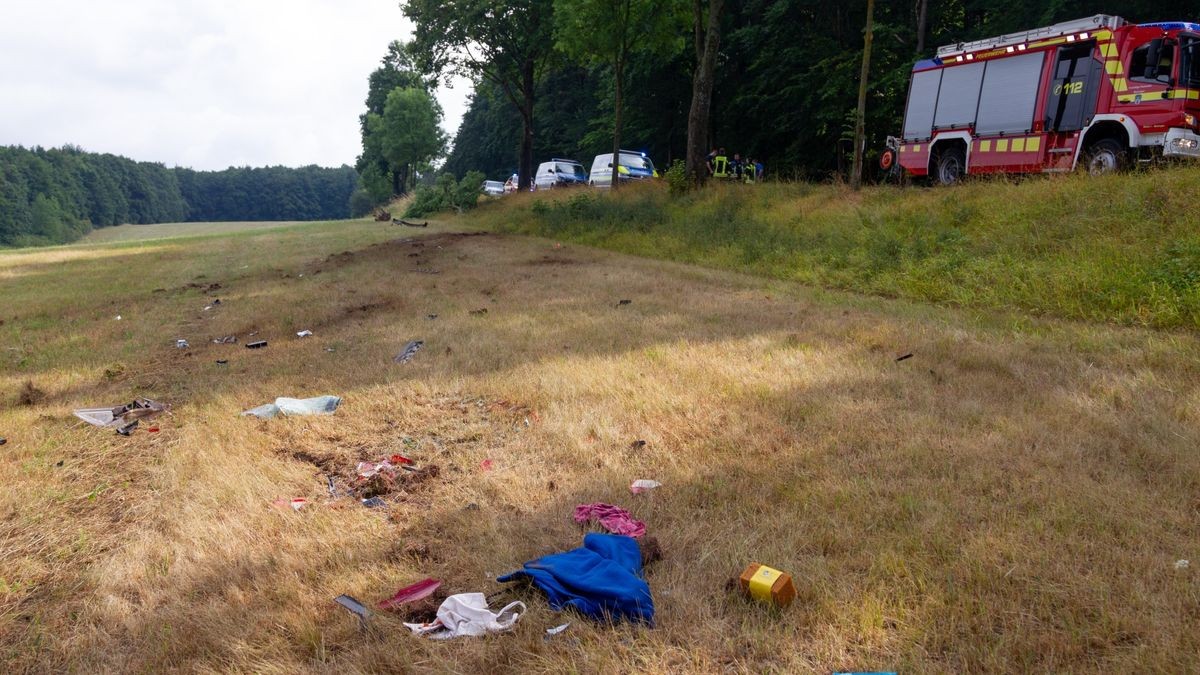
[631,166]
[559,173]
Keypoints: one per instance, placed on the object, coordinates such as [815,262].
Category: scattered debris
[207,307]
[122,415]
[431,317]
[1179,564]
[410,350]
[622,303]
[425,270]
[767,584]
[400,221]
[222,362]
[388,466]
[226,340]
[558,629]
[601,579]
[904,358]
[467,615]
[153,430]
[318,405]
[4,440]
[355,607]
[294,504]
[304,333]
[382,216]
[612,518]
[373,502]
[478,312]
[256,345]
[182,344]
[643,485]
[30,395]
[409,594]
[128,428]
[118,318]
[486,465]
[637,445]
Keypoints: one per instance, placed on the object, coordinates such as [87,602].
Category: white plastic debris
[118,317]
[181,344]
[304,333]
[643,485]
[319,405]
[558,629]
[1181,564]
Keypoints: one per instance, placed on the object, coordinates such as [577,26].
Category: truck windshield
[1189,71]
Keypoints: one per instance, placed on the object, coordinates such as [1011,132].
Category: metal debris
[410,350]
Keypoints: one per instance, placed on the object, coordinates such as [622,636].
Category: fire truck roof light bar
[1058,29]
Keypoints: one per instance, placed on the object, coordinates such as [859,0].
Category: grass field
[1121,249]
[1014,497]
[174,230]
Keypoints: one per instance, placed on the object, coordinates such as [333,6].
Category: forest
[784,84]
[52,196]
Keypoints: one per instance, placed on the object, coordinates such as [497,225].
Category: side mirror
[610,165]
[1153,54]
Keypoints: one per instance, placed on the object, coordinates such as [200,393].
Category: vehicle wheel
[951,165]
[1105,156]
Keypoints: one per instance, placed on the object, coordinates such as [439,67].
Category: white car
[558,173]
[493,188]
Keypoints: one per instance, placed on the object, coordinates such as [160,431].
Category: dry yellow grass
[1012,498]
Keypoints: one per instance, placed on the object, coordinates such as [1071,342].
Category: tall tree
[377,176]
[707,42]
[860,117]
[609,31]
[407,133]
[504,41]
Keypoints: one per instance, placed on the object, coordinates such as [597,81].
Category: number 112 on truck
[1100,94]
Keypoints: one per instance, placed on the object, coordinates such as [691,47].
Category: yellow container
[767,584]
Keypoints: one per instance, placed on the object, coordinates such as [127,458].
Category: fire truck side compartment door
[922,99]
[1010,89]
[1071,101]
[958,101]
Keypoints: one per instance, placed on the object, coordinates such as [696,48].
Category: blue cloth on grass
[602,579]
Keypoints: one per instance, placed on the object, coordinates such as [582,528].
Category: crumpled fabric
[612,518]
[319,405]
[601,580]
[467,615]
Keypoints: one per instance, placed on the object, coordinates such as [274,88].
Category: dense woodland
[784,86]
[58,195]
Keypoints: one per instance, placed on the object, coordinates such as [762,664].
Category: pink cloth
[612,518]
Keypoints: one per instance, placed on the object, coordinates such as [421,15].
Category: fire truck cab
[1098,92]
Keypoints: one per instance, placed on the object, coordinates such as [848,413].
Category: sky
[205,84]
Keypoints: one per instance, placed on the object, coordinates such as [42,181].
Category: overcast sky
[200,83]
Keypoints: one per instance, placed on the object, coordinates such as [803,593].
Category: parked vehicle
[511,184]
[630,166]
[559,173]
[493,188]
[1098,92]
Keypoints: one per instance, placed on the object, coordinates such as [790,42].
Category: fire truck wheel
[1105,156]
[951,165]
[887,160]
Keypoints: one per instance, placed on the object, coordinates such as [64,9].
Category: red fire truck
[1100,93]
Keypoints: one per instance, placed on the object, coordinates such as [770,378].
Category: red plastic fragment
[418,591]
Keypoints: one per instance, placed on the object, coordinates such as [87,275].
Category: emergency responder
[721,165]
[710,162]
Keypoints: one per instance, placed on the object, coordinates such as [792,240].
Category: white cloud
[200,83]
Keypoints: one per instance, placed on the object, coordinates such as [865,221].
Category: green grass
[1123,249]
[173,230]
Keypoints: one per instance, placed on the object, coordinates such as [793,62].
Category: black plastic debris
[222,362]
[355,607]
[904,358]
[410,350]
[128,428]
[60,462]
[622,303]
[478,312]
[259,344]
[400,221]
[373,502]
[638,444]
[3,440]
[431,317]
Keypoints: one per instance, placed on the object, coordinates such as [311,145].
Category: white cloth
[320,405]
[467,614]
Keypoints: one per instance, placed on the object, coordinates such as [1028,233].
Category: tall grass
[1123,249]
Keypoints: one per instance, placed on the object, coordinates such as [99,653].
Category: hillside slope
[1123,249]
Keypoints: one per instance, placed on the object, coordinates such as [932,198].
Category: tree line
[776,79]
[51,196]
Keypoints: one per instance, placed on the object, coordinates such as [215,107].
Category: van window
[571,169]
[1138,64]
[637,162]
